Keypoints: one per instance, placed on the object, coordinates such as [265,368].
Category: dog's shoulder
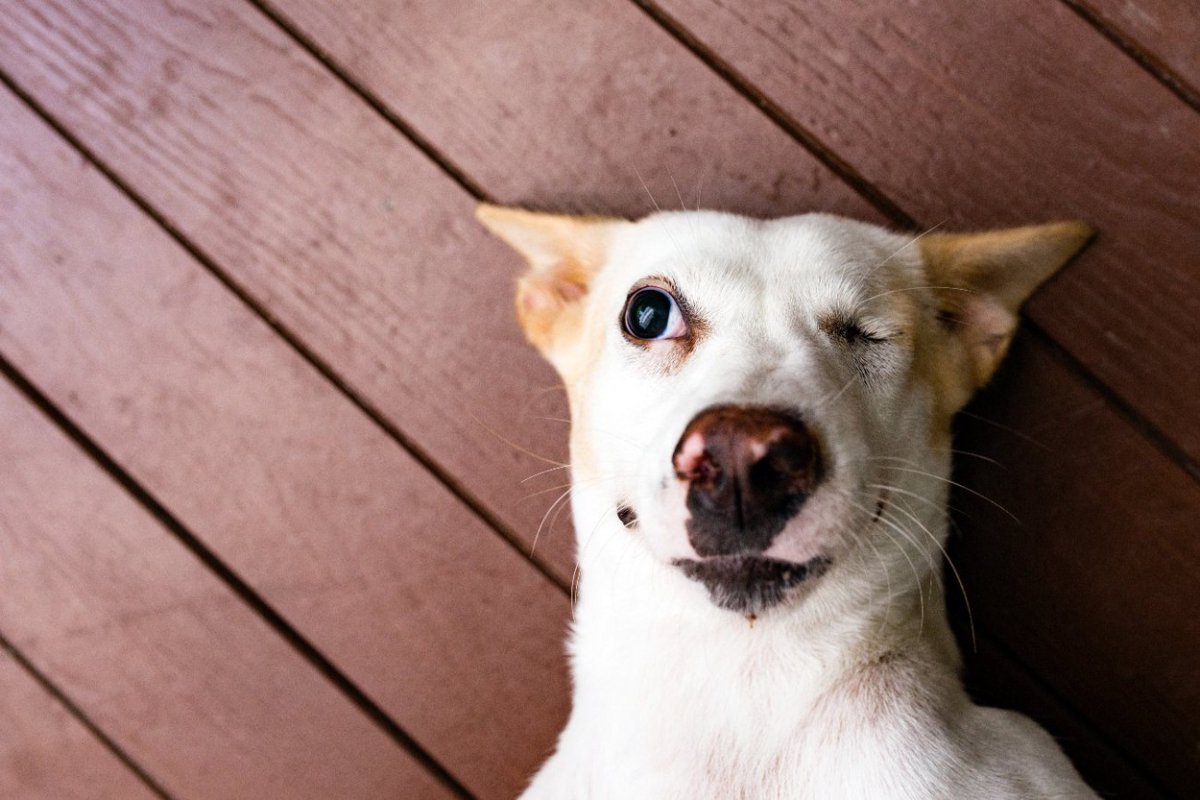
[900,725]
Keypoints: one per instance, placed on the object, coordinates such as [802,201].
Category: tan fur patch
[980,281]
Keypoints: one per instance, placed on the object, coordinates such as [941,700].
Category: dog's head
[761,401]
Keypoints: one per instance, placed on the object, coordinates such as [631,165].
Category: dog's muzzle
[750,584]
[748,470]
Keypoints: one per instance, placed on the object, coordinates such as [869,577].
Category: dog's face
[760,401]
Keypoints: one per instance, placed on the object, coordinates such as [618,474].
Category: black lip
[750,584]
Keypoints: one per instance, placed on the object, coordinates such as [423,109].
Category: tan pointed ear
[564,253]
[984,278]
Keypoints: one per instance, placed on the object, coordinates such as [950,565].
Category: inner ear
[982,279]
[564,254]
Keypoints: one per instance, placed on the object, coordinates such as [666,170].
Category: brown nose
[748,470]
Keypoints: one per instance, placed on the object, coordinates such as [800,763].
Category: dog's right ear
[564,254]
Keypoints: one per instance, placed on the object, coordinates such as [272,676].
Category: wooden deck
[265,413]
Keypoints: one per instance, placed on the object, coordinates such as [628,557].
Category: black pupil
[649,312]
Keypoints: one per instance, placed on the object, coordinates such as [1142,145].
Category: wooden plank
[564,144]
[157,651]
[1167,31]
[528,103]
[367,250]
[1094,587]
[422,606]
[493,60]
[995,680]
[46,754]
[1020,114]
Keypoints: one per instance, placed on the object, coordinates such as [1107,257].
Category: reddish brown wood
[46,754]
[365,250]
[428,69]
[532,104]
[359,244]
[1021,114]
[411,595]
[1095,586]
[1166,31]
[994,679]
[157,651]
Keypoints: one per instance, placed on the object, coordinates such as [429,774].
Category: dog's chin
[749,584]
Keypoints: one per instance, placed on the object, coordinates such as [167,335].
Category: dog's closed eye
[848,330]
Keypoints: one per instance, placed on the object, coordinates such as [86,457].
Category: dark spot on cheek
[878,510]
[627,515]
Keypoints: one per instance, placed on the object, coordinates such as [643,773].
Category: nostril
[747,471]
[692,459]
[707,471]
[791,456]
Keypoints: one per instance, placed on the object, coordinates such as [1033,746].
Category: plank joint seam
[234,582]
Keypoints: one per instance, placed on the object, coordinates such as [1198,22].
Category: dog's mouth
[750,584]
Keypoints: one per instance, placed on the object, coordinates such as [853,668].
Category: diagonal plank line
[306,649]
[82,717]
[846,172]
[752,93]
[310,46]
[1152,434]
[1142,56]
[726,72]
[783,120]
[813,144]
[323,367]
[789,125]
[1158,438]
[1134,766]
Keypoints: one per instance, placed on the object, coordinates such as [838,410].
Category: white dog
[760,450]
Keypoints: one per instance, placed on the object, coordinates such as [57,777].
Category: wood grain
[1094,586]
[46,754]
[1020,114]
[159,653]
[386,573]
[427,69]
[1166,30]
[597,101]
[367,251]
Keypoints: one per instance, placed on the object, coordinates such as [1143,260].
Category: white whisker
[978,494]
[953,568]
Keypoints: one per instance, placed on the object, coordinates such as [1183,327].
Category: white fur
[850,689]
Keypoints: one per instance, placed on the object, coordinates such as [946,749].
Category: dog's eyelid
[844,326]
[656,282]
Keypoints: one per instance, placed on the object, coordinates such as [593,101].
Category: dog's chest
[702,728]
[686,758]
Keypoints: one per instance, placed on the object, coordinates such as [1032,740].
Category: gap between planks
[81,716]
[744,87]
[899,217]
[323,368]
[1084,720]
[777,115]
[844,171]
[308,651]
[1141,55]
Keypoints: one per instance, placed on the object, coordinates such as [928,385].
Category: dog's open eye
[651,313]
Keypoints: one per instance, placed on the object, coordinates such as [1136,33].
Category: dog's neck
[648,640]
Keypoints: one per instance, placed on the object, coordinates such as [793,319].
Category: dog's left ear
[982,279]
[564,254]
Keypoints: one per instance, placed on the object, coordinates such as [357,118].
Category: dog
[760,459]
